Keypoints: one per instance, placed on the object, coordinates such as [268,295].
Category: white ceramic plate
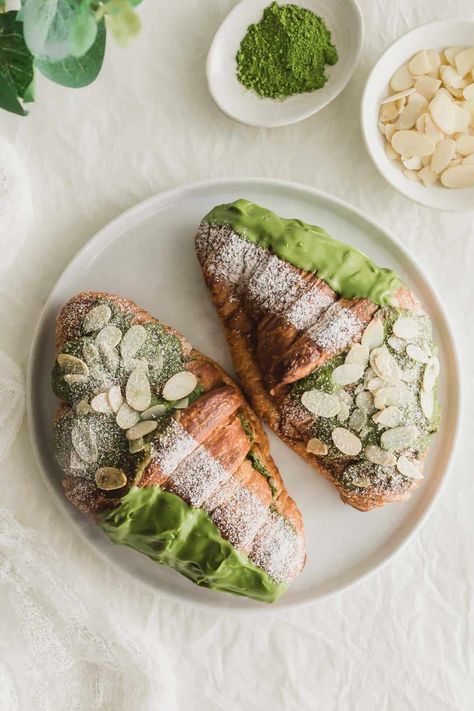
[342,17]
[147,254]
[435,35]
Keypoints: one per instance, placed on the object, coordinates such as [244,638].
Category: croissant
[334,353]
[158,446]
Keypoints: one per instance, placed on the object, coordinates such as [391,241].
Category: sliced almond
[97,318]
[100,403]
[115,398]
[126,417]
[83,407]
[411,143]
[315,446]
[460,176]
[181,404]
[409,375]
[427,176]
[443,155]
[388,112]
[136,445]
[84,441]
[141,429]
[427,86]
[71,365]
[320,403]
[406,327]
[416,105]
[373,335]
[412,163]
[398,95]
[462,119]
[132,341]
[465,145]
[109,336]
[420,64]
[153,412]
[451,54]
[469,160]
[110,358]
[430,373]
[390,152]
[347,374]
[397,344]
[179,386]
[399,438]
[442,112]
[451,78]
[358,419]
[390,129]
[408,468]
[434,133]
[346,442]
[365,401]
[464,61]
[384,365]
[345,397]
[389,417]
[74,378]
[427,403]
[91,354]
[386,397]
[110,478]
[411,175]
[375,384]
[137,390]
[435,61]
[402,79]
[75,462]
[468,92]
[377,455]
[416,353]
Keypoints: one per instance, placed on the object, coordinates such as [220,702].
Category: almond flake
[97,318]
[132,341]
[427,403]
[109,336]
[430,373]
[384,365]
[410,375]
[346,442]
[343,413]
[408,468]
[115,398]
[137,390]
[110,478]
[83,407]
[365,401]
[84,441]
[363,482]
[315,446]
[100,403]
[375,384]
[153,412]
[377,455]
[136,445]
[399,438]
[91,353]
[402,79]
[358,354]
[386,397]
[75,462]
[179,386]
[181,404]
[347,373]
[345,397]
[373,335]
[72,365]
[320,403]
[74,378]
[420,64]
[406,328]
[389,417]
[110,357]
[126,417]
[141,429]
[397,96]
[358,419]
[416,353]
[397,344]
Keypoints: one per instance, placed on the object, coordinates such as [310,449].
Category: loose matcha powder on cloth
[285,53]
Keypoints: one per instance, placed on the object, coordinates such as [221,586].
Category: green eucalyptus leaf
[8,98]
[47,27]
[122,20]
[83,31]
[16,62]
[76,72]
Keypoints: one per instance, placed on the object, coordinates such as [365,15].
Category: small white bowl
[435,35]
[344,20]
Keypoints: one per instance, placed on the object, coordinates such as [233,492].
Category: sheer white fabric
[15,204]
[12,402]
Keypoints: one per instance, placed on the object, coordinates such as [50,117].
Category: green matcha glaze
[347,271]
[161,525]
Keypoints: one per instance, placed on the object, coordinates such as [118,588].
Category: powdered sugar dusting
[240,517]
[174,445]
[197,477]
[336,329]
[277,549]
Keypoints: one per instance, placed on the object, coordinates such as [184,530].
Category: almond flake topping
[73,378]
[315,446]
[179,386]
[181,404]
[110,478]
[346,442]
[377,455]
[84,442]
[137,390]
[373,335]
[132,341]
[72,365]
[416,353]
[399,438]
[386,396]
[126,417]
[365,401]
[136,445]
[320,403]
[430,373]
[427,403]
[153,412]
[343,413]
[347,373]
[408,468]
[109,337]
[358,354]
[398,344]
[384,365]
[406,328]
[100,403]
[141,429]
[115,398]
[358,419]
[390,417]
[97,318]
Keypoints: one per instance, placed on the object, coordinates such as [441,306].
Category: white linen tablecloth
[91,638]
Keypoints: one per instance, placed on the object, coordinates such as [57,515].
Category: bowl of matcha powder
[275,63]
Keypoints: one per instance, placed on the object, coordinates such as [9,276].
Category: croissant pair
[158,444]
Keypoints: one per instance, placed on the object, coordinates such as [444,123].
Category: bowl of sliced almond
[418,115]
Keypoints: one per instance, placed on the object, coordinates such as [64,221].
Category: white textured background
[402,639]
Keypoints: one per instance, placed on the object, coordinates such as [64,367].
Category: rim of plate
[386,176]
[302,115]
[107,233]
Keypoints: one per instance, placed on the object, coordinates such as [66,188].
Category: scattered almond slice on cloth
[427,119]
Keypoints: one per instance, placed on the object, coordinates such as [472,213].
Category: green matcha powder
[285,53]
